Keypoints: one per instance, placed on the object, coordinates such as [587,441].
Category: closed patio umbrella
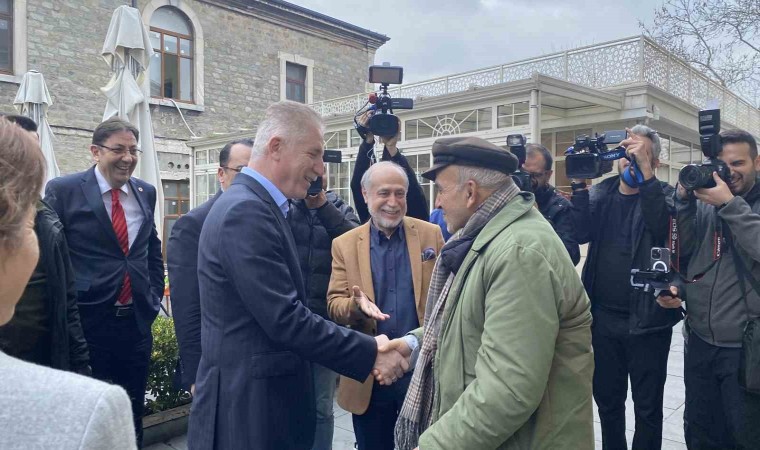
[33,101]
[128,51]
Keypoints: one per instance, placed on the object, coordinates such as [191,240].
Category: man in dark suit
[254,385]
[182,262]
[107,217]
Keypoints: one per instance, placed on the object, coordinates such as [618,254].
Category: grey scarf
[422,398]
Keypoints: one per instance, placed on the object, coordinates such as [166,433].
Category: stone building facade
[239,50]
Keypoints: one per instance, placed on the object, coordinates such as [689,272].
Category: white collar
[103,183]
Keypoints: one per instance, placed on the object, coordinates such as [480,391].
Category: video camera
[698,176]
[516,144]
[590,157]
[330,156]
[382,122]
[659,277]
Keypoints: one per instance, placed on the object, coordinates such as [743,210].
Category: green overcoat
[515,364]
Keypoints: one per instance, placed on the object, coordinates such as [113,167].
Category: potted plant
[167,408]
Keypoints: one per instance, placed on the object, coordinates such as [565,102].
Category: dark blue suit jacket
[182,262]
[99,263]
[254,386]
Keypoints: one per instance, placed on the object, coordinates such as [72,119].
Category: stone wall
[241,71]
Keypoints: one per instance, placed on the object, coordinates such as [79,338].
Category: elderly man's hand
[390,365]
[367,307]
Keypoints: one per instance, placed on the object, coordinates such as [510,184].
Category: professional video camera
[591,158]
[330,156]
[382,122]
[659,277]
[516,144]
[697,176]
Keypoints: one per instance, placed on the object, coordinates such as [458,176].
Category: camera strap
[718,242]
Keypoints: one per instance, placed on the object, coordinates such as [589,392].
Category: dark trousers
[619,355]
[374,428]
[119,354]
[719,414]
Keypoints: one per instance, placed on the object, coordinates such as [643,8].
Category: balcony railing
[597,66]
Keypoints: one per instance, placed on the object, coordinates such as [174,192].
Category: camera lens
[656,254]
[695,176]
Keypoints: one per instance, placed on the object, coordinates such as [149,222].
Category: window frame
[301,83]
[179,199]
[179,57]
[10,16]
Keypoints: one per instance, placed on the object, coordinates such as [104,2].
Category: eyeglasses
[235,169]
[121,151]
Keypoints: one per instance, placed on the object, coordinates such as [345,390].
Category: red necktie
[119,221]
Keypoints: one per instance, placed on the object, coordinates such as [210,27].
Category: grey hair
[286,119]
[367,177]
[485,178]
[643,130]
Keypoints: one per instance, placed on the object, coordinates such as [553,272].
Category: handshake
[393,357]
[392,361]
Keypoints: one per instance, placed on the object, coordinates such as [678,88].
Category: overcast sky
[441,37]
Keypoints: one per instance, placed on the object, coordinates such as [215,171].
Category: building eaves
[300,16]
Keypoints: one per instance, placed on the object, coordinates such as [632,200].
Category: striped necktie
[119,221]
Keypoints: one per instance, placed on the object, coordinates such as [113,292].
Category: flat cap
[470,151]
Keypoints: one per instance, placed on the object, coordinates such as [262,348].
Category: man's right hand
[363,120]
[390,365]
[367,307]
[670,301]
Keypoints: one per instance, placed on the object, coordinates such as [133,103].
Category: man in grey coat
[717,227]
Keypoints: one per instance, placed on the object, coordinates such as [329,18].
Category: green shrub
[163,364]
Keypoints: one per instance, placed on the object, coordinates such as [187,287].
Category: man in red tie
[108,220]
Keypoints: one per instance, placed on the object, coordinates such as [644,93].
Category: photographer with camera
[553,206]
[417,205]
[719,239]
[631,333]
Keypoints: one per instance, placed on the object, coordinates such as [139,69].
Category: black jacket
[558,211]
[651,218]
[68,347]
[416,203]
[314,236]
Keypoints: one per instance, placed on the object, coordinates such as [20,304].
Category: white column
[535,116]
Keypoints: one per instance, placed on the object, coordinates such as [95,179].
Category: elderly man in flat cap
[504,358]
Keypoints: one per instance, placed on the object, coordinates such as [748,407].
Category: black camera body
[590,157]
[699,176]
[516,144]
[659,277]
[330,156]
[383,122]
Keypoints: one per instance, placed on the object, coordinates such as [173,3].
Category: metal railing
[598,66]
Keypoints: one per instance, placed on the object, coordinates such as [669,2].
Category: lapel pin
[139,188]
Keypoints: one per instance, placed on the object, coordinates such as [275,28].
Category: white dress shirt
[128,201]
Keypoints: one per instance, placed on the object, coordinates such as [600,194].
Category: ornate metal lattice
[678,80]
[656,67]
[460,83]
[553,67]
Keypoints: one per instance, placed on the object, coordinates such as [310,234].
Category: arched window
[171,70]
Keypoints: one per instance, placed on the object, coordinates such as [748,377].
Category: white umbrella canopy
[33,101]
[127,49]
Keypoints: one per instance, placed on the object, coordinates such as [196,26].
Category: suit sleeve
[512,365]
[110,424]
[337,220]
[361,165]
[52,197]
[563,225]
[417,205]
[79,355]
[583,219]
[182,261]
[270,294]
[155,260]
[340,304]
[656,208]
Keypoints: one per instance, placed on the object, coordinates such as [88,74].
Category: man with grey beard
[379,283]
